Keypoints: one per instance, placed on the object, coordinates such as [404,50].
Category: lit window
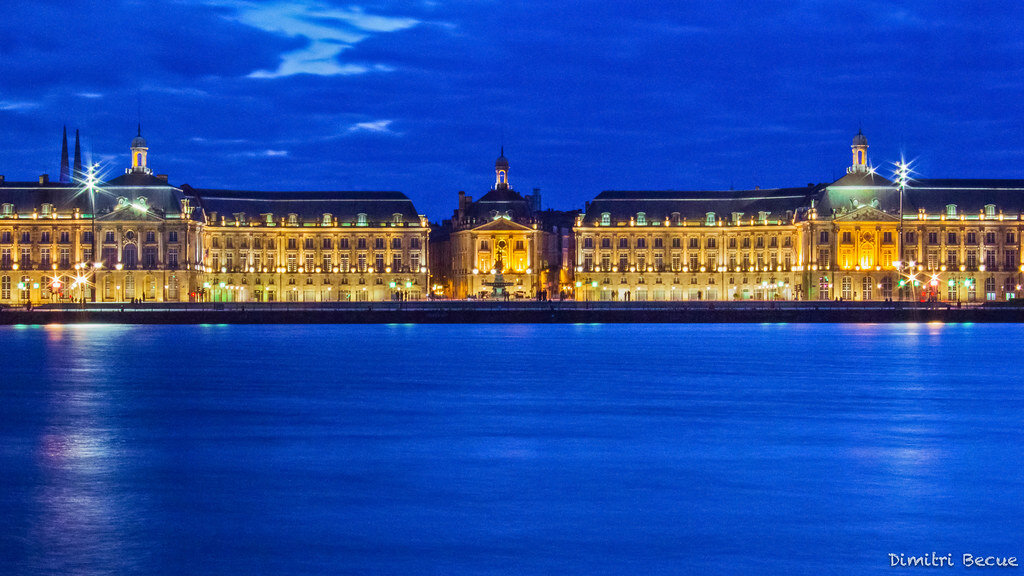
[641,218]
[606,218]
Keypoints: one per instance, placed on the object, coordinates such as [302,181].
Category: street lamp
[89,185]
[902,177]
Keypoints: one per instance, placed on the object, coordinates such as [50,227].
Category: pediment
[131,210]
[501,224]
[866,214]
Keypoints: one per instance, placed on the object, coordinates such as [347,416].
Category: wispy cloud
[90,95]
[329,32]
[376,126]
[262,154]
[17,106]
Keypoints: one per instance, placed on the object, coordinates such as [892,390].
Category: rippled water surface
[507,449]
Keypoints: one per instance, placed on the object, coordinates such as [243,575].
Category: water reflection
[403,449]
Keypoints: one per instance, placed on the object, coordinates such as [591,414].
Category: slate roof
[161,198]
[309,206]
[657,205]
[970,196]
[502,199]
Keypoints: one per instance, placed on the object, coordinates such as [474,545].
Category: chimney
[162,177]
[535,199]
[44,179]
[1,178]
[462,200]
[586,207]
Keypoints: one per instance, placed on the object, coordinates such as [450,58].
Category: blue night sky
[586,96]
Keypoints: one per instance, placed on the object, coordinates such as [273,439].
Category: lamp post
[90,188]
[902,178]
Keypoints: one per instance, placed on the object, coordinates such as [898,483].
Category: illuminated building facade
[138,238]
[503,232]
[312,246]
[961,241]
[863,237]
[134,237]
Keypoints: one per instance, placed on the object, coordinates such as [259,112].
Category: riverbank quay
[528,312]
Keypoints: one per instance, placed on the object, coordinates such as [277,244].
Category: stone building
[138,238]
[507,233]
[133,237]
[961,241]
[312,246]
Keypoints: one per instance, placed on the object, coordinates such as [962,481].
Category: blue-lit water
[507,449]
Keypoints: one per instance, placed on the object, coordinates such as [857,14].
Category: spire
[140,129]
[501,171]
[65,173]
[139,152]
[860,153]
[77,173]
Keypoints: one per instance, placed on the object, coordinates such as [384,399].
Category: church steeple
[65,171]
[139,152]
[501,171]
[77,167]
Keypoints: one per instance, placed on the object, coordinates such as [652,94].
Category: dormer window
[606,218]
[361,219]
[709,218]
[396,218]
[327,220]
[47,209]
[293,219]
[268,218]
[240,217]
[641,219]
[990,210]
[951,210]
[736,217]
[8,209]
[762,216]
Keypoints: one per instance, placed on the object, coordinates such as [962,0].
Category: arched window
[138,159]
[501,177]
[361,219]
[990,288]
[990,210]
[709,218]
[887,287]
[951,210]
[131,256]
[606,218]
[866,288]
[641,219]
[860,157]
[129,287]
[847,288]
[173,293]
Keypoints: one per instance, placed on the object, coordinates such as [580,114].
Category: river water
[507,449]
